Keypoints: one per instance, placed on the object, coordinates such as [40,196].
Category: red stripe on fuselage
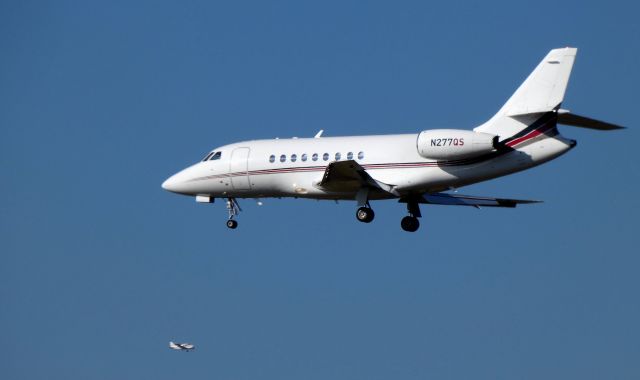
[536,132]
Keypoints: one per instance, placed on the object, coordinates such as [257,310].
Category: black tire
[232,224]
[365,214]
[410,223]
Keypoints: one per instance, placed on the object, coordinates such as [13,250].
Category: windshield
[212,156]
[207,156]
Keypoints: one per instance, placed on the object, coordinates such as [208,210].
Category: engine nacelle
[451,144]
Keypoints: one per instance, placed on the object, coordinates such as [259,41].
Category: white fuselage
[415,168]
[245,170]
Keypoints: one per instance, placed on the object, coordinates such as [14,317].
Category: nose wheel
[234,209]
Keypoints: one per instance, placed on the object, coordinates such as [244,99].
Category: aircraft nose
[177,183]
[183,181]
[170,184]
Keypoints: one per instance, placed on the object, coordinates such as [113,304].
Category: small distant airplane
[416,168]
[181,346]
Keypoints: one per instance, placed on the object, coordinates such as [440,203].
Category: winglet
[319,134]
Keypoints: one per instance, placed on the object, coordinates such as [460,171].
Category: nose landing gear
[234,209]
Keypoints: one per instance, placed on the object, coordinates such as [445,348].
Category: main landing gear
[234,209]
[365,214]
[410,223]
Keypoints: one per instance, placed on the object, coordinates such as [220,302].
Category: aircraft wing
[467,200]
[350,176]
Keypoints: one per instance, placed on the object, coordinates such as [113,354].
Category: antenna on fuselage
[319,134]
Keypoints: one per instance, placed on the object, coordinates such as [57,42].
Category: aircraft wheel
[365,214]
[410,223]
[232,224]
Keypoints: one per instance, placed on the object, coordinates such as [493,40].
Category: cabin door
[238,169]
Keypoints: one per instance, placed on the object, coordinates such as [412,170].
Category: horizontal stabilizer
[466,200]
[574,120]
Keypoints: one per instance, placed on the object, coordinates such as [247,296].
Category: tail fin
[542,92]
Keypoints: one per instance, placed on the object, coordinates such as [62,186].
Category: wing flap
[467,200]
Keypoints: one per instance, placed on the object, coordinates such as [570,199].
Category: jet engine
[452,144]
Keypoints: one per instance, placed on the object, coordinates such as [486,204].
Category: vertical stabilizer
[541,92]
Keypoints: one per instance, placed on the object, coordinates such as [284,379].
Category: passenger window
[272,158]
[338,155]
[350,156]
[303,157]
[283,158]
[216,156]
[360,155]
[315,157]
[325,156]
[294,158]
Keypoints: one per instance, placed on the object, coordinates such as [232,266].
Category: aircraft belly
[287,184]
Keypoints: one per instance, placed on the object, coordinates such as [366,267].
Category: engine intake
[449,144]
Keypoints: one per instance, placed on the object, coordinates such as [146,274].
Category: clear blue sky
[100,268]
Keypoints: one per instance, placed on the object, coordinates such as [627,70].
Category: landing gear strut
[234,209]
[410,223]
[365,213]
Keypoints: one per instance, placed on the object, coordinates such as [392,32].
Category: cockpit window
[212,156]
[207,156]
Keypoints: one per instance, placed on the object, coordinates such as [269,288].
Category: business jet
[416,168]
[181,346]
